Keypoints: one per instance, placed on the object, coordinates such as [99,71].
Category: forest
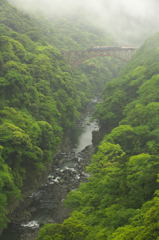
[120,199]
[40,95]
[41,98]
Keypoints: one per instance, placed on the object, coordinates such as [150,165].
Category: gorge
[108,191]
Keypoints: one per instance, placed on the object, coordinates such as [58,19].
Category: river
[68,171]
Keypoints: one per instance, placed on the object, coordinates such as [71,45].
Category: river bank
[45,205]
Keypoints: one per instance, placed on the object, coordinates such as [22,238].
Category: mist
[129,22]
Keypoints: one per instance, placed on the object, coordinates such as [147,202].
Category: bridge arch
[75,58]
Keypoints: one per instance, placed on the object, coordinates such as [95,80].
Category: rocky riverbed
[45,205]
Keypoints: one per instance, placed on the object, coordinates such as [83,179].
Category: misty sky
[129,21]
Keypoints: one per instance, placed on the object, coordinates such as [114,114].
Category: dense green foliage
[40,95]
[118,198]
[8,190]
[131,102]
[121,198]
[70,229]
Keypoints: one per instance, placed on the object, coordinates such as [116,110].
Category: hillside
[120,199]
[131,101]
[40,95]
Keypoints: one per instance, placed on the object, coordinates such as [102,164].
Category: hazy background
[128,21]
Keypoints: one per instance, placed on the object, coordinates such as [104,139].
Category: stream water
[67,173]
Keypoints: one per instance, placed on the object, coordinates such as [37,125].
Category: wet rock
[32,209]
[61,161]
[50,221]
[74,146]
[30,236]
[75,159]
[68,189]
[21,216]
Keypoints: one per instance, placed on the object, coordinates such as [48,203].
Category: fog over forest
[130,22]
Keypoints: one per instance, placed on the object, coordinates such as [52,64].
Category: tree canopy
[120,199]
[40,95]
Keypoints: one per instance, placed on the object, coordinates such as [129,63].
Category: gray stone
[32,209]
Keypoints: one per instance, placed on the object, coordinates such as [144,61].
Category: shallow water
[81,136]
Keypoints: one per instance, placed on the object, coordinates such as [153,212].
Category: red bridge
[75,58]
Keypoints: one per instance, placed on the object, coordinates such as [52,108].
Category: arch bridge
[75,58]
